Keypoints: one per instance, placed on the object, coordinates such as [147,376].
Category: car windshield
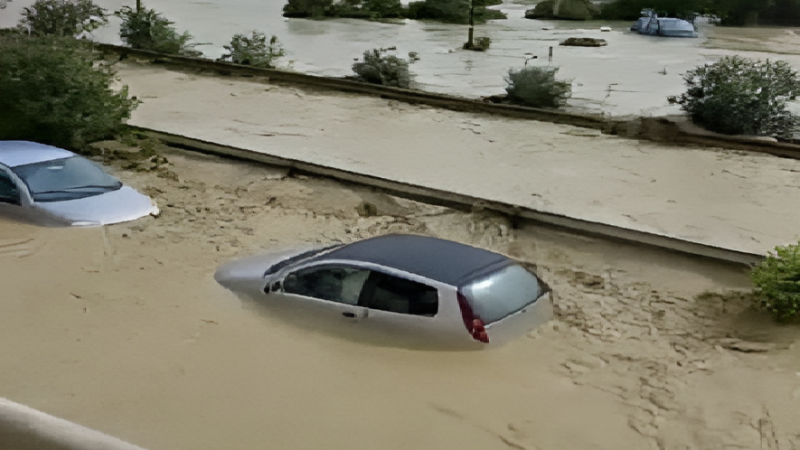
[502,293]
[65,179]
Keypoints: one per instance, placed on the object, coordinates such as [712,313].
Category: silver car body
[103,206]
[258,279]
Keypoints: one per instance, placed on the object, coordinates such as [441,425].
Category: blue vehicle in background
[651,24]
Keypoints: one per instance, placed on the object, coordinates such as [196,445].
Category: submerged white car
[417,290]
[52,186]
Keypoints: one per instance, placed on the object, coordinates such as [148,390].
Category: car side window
[332,283]
[8,190]
[399,295]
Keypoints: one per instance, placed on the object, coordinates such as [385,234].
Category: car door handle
[349,314]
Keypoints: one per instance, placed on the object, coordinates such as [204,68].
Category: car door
[13,198]
[16,202]
[403,309]
[322,295]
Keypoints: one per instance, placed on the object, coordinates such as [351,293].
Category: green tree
[54,91]
[62,17]
[253,50]
[147,29]
[738,95]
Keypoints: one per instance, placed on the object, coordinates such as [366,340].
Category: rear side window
[403,296]
[502,293]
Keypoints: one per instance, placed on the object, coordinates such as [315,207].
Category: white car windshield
[65,179]
[502,293]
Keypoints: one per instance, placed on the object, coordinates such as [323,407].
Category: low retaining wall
[464,202]
[24,428]
[341,84]
[662,129]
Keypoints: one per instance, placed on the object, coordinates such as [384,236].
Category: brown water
[632,75]
[123,329]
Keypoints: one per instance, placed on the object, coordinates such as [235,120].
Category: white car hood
[121,205]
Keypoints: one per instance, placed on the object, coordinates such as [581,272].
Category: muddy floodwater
[123,329]
[632,75]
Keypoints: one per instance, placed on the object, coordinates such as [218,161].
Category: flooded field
[632,75]
[123,329]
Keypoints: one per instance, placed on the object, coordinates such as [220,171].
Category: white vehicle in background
[416,290]
[51,186]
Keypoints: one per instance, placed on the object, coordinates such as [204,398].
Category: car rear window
[502,293]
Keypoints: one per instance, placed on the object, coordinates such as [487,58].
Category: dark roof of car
[20,153]
[437,259]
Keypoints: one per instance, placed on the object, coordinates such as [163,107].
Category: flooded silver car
[51,186]
[415,290]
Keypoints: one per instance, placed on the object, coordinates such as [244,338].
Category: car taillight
[474,324]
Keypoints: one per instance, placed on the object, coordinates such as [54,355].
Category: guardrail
[24,428]
[461,201]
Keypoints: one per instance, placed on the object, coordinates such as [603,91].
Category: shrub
[52,90]
[386,70]
[149,30]
[777,281]
[67,18]
[738,95]
[253,50]
[537,87]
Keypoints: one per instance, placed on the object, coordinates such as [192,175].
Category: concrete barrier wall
[464,202]
[662,129]
[24,428]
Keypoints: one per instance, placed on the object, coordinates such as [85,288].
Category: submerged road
[730,199]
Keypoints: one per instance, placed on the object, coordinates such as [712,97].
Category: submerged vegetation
[537,87]
[253,50]
[388,70]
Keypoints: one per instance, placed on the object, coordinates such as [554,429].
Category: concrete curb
[24,428]
[661,129]
[463,202]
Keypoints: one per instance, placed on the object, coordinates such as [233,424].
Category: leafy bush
[777,281]
[738,95]
[52,90]
[253,50]
[537,87]
[67,18]
[149,30]
[386,70]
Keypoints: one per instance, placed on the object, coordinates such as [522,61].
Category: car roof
[20,153]
[437,259]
